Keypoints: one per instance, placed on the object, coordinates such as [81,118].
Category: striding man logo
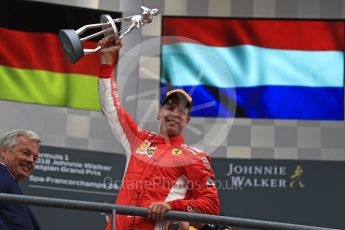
[296,178]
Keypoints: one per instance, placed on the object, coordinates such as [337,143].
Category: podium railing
[138,211]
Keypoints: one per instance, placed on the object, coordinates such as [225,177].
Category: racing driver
[162,172]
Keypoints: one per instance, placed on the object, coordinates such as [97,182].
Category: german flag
[33,68]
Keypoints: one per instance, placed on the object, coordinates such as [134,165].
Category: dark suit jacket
[14,216]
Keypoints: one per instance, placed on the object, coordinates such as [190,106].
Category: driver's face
[174,117]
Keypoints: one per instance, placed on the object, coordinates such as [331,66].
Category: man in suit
[18,155]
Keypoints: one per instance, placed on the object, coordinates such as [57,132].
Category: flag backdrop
[33,67]
[277,69]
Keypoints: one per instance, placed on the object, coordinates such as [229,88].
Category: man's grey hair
[9,140]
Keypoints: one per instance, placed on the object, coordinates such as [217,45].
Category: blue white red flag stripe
[248,102]
[283,69]
[251,66]
[279,34]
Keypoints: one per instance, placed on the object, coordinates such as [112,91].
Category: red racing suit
[158,169]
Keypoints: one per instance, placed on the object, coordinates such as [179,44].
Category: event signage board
[299,192]
[75,175]
[289,191]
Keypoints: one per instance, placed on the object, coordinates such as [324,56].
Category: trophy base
[71,44]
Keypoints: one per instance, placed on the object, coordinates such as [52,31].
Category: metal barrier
[137,211]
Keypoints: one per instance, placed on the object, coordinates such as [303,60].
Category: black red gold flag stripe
[33,67]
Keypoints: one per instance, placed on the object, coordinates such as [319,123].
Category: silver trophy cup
[72,43]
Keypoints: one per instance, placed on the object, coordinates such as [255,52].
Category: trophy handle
[108,29]
[108,23]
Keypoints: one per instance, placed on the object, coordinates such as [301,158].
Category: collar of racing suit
[159,139]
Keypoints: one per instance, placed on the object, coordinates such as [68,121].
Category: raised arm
[121,123]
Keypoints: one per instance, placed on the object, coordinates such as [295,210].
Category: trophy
[72,43]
